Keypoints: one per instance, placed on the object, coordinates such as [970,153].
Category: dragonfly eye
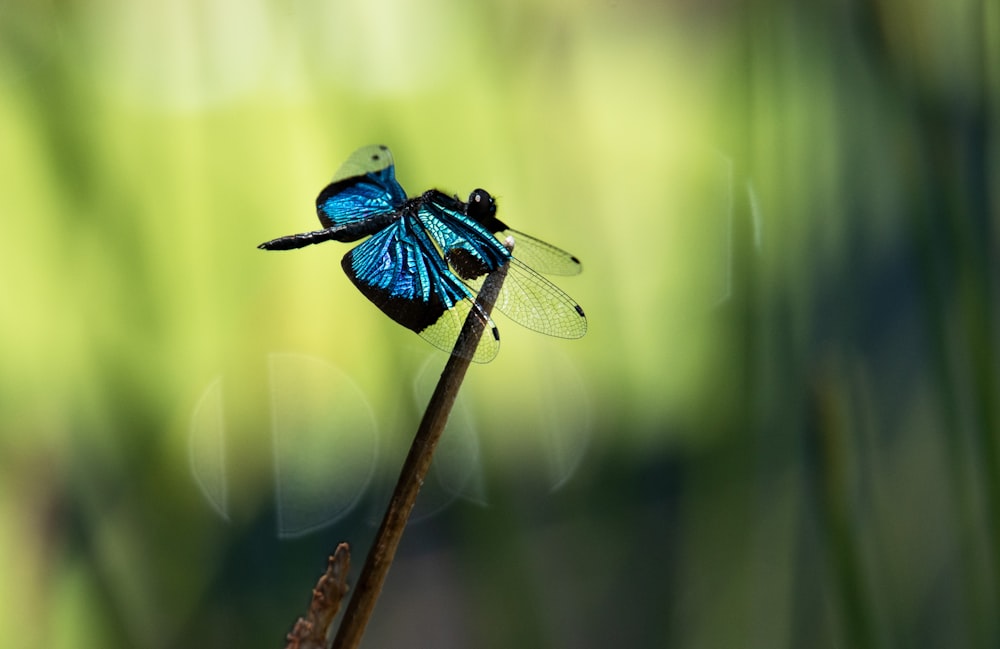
[482,206]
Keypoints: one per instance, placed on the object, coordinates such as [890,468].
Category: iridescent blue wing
[472,251]
[469,247]
[362,198]
[536,254]
[364,189]
[401,272]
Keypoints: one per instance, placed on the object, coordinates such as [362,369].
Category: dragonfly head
[482,206]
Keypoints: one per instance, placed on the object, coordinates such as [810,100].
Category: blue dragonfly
[426,257]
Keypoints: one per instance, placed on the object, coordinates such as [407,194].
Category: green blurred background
[780,431]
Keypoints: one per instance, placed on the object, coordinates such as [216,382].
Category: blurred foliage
[780,431]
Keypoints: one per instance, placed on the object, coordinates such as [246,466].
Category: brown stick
[310,632]
[415,468]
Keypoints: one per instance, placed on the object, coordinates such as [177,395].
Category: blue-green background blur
[780,430]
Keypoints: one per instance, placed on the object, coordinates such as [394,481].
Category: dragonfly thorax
[465,264]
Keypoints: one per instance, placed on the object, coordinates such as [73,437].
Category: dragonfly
[425,258]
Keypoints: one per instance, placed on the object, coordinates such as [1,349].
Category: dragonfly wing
[444,333]
[540,256]
[363,190]
[534,302]
[400,271]
[369,159]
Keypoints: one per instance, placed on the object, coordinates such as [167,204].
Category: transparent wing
[444,333]
[540,256]
[534,302]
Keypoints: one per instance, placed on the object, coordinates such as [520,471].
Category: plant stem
[415,468]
